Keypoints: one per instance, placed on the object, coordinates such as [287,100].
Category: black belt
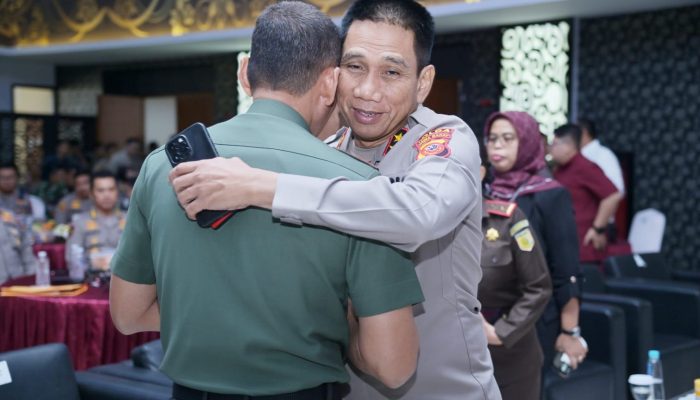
[327,391]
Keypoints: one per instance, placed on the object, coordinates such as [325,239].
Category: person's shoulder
[444,135]
[551,196]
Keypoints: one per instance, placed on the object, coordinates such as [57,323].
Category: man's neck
[105,213]
[300,104]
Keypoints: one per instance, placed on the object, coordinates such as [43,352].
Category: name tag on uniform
[5,377]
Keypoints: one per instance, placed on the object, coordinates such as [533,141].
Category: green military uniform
[95,232]
[16,257]
[258,306]
[514,291]
[69,206]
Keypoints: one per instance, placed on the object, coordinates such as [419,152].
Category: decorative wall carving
[534,72]
[46,22]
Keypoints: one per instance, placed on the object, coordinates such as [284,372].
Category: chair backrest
[648,266]
[647,231]
[42,372]
[148,355]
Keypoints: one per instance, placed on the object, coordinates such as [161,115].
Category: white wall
[14,72]
[160,119]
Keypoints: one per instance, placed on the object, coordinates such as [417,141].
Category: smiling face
[379,81]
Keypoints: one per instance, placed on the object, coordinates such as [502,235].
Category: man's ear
[243,76]
[425,83]
[329,85]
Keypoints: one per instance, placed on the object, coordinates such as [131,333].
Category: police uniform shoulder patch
[525,240]
[500,208]
[434,143]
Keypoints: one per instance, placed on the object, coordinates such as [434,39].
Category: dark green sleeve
[380,278]
[133,260]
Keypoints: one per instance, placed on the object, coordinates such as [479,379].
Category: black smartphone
[193,144]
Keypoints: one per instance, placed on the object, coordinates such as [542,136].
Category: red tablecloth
[55,251]
[83,323]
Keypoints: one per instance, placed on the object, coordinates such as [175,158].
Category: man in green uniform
[258,307]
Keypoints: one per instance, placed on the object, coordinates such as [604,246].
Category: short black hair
[407,14]
[293,42]
[9,165]
[80,172]
[571,131]
[99,174]
[588,125]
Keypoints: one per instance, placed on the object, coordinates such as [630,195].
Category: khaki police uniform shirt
[16,256]
[69,206]
[95,232]
[428,201]
[18,204]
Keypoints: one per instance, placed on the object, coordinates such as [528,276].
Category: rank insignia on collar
[492,235]
[500,208]
[434,143]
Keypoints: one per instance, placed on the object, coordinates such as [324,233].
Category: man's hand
[490,332]
[221,184]
[598,239]
[573,347]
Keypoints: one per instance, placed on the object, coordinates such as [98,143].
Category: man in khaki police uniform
[428,200]
[260,307]
[76,202]
[11,197]
[16,257]
[98,230]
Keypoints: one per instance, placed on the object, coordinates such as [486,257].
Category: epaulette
[500,208]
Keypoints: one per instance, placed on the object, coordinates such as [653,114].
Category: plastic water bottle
[43,277]
[654,369]
[78,264]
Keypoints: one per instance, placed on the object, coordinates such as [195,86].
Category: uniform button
[573,279]
[494,259]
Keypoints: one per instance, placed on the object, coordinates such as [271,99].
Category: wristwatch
[575,331]
[599,230]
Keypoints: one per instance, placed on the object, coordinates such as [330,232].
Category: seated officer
[98,230]
[12,198]
[16,257]
[75,202]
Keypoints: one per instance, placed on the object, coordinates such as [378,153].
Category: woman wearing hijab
[514,290]
[515,150]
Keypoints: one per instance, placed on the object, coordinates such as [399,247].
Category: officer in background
[514,292]
[16,256]
[76,202]
[98,231]
[11,197]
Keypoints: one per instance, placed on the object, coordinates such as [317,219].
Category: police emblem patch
[434,143]
[525,240]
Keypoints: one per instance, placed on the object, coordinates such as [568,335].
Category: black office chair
[42,372]
[603,375]
[133,379]
[647,266]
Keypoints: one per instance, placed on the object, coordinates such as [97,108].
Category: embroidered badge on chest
[434,143]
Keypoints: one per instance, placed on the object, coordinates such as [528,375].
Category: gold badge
[91,225]
[75,204]
[492,235]
[525,240]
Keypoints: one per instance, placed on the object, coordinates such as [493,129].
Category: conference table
[82,322]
